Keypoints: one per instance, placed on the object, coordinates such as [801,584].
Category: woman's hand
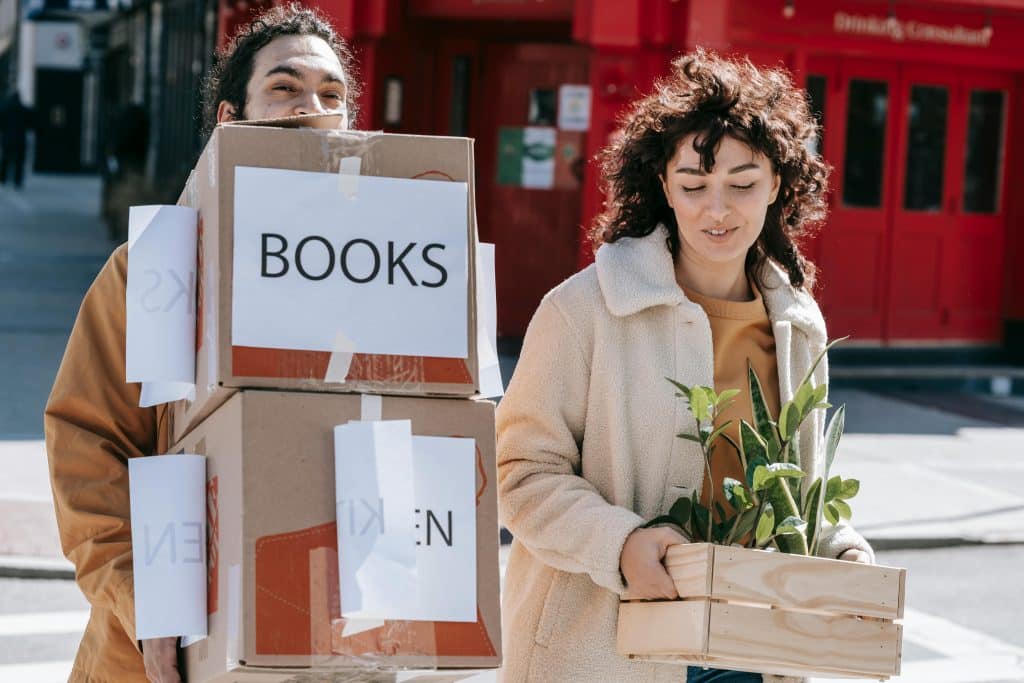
[855,555]
[641,563]
[160,656]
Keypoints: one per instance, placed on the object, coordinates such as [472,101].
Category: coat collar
[637,273]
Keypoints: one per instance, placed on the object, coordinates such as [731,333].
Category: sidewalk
[52,244]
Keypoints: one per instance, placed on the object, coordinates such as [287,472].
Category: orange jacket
[93,425]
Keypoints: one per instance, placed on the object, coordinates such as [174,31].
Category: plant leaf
[699,404]
[725,397]
[831,514]
[833,488]
[791,525]
[689,437]
[843,508]
[833,433]
[803,396]
[766,428]
[743,526]
[812,513]
[789,420]
[820,392]
[753,445]
[681,387]
[849,489]
[752,467]
[778,470]
[736,494]
[765,525]
[701,518]
[718,432]
[817,361]
[680,511]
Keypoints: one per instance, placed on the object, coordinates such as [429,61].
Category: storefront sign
[900,31]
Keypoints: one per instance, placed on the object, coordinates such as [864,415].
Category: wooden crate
[754,610]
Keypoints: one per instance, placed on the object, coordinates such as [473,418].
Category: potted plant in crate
[741,607]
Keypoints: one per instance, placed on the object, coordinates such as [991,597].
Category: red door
[855,100]
[913,248]
[529,203]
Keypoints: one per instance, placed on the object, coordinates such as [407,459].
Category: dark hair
[712,96]
[229,76]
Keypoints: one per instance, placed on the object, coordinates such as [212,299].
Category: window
[867,113]
[816,94]
[926,148]
[983,167]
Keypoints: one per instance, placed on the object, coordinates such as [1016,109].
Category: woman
[697,272]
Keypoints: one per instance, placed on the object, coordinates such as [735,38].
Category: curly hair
[710,96]
[229,76]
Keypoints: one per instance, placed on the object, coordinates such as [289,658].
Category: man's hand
[855,555]
[646,577]
[161,658]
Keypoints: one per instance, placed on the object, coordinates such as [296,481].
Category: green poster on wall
[526,156]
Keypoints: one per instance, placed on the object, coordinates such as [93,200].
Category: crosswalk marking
[42,623]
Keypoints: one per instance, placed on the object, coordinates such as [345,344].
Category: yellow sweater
[740,332]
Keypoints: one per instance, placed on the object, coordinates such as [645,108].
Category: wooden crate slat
[663,627]
[690,567]
[813,641]
[790,581]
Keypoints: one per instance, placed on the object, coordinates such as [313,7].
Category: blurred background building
[920,103]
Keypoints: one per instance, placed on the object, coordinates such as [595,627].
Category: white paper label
[445,475]
[539,157]
[388,268]
[168,513]
[574,107]
[376,535]
[491,385]
[160,301]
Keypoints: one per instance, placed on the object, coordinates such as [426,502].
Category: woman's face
[719,211]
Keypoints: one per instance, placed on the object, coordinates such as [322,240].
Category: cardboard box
[221,367]
[273,595]
[753,610]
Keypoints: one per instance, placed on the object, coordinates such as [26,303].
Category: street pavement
[942,490]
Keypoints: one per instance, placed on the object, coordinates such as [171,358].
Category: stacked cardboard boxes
[264,412]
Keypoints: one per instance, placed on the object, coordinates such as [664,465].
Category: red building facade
[920,103]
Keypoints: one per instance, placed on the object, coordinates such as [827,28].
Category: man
[15,120]
[287,62]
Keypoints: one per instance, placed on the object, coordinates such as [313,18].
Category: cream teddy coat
[587,449]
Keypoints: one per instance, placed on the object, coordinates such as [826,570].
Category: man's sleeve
[93,425]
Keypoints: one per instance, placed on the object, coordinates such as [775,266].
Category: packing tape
[340,360]
[348,176]
[370,408]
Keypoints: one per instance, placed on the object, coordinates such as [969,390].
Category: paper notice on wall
[376,527]
[387,268]
[539,157]
[168,515]
[445,482]
[574,107]
[491,384]
[160,302]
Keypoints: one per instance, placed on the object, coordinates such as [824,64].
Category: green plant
[771,506]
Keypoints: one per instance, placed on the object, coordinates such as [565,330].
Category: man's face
[293,75]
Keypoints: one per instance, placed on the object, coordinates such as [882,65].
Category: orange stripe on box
[249,361]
